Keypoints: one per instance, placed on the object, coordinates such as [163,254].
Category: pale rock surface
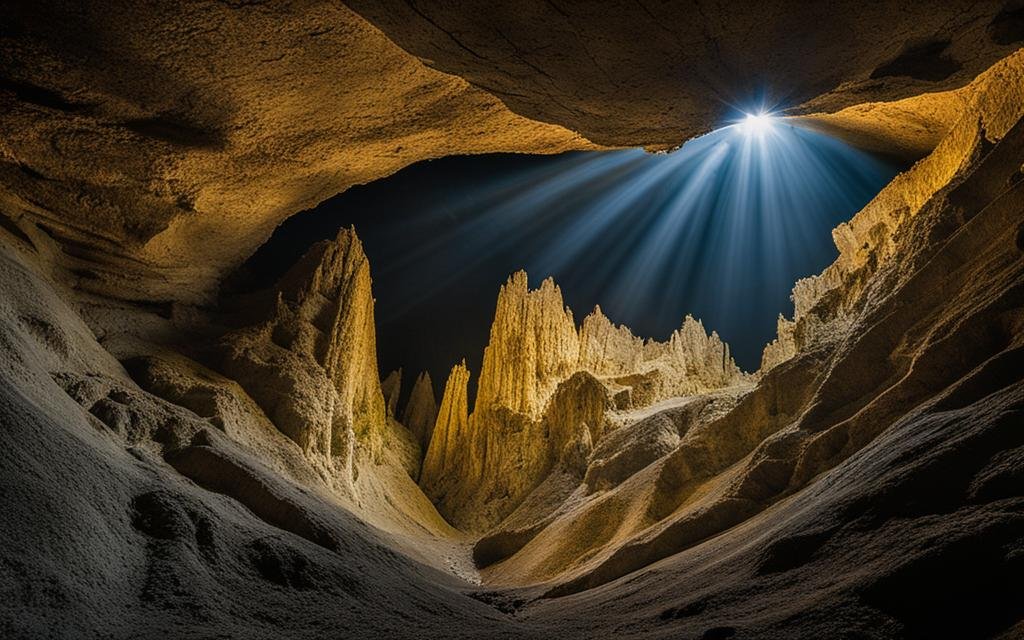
[312,365]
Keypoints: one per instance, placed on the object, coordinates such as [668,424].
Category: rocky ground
[177,463]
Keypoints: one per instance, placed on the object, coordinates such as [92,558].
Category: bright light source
[756,123]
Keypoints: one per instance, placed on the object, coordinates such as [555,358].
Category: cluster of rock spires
[545,395]
[306,354]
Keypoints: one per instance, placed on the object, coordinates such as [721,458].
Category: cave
[512,320]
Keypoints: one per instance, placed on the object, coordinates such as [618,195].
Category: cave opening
[719,229]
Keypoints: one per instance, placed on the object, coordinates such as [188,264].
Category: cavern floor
[182,460]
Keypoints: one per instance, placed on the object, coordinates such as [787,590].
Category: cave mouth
[720,229]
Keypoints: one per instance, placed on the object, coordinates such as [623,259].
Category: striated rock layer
[545,396]
[200,472]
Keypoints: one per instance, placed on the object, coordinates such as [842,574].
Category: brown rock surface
[868,485]
[632,89]
[192,134]
[421,410]
[392,388]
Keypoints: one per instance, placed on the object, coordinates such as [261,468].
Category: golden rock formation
[312,365]
[545,395]
[533,346]
[392,388]
[823,303]
[267,491]
[447,449]
[421,410]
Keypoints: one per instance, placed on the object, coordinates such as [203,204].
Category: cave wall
[161,144]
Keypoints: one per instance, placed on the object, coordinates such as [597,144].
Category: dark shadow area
[924,61]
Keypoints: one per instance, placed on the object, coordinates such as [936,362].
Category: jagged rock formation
[312,365]
[823,303]
[451,431]
[392,388]
[545,394]
[534,330]
[782,348]
[421,410]
[905,361]
[868,485]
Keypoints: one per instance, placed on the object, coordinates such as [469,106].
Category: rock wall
[312,364]
[825,304]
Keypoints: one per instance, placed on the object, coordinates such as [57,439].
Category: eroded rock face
[824,304]
[392,388]
[190,149]
[630,90]
[882,442]
[450,433]
[533,346]
[312,365]
[216,160]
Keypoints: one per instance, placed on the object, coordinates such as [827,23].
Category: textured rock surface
[869,485]
[421,410]
[161,155]
[631,89]
[391,387]
[545,397]
[191,135]
[913,351]
[823,303]
[312,365]
[447,449]
[532,347]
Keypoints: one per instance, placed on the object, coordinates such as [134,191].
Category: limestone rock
[421,410]
[392,388]
[607,349]
[545,395]
[825,304]
[628,91]
[312,365]
[782,348]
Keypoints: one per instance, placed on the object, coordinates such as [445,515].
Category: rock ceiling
[162,153]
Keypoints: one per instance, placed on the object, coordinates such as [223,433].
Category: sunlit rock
[312,365]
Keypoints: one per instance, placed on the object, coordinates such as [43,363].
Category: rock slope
[233,471]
